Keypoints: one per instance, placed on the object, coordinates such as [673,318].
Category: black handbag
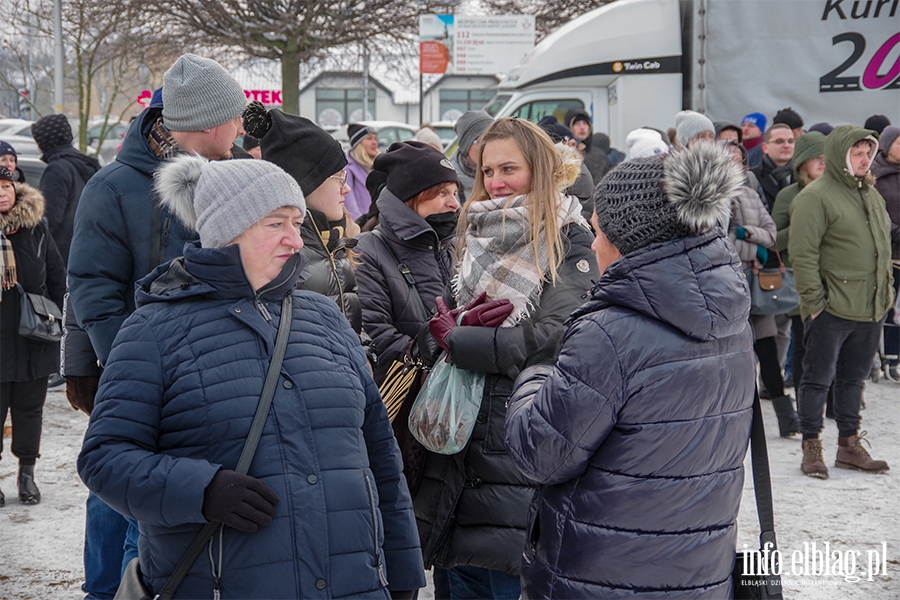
[39,317]
[753,575]
[132,585]
[772,291]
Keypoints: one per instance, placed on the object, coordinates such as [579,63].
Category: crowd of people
[602,295]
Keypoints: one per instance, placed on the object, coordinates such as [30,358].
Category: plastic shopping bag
[443,416]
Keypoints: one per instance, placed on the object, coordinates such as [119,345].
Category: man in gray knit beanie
[202,106]
[120,233]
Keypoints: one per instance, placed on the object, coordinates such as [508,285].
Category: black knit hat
[789,117]
[52,131]
[413,167]
[557,131]
[667,196]
[357,133]
[877,123]
[5,175]
[303,149]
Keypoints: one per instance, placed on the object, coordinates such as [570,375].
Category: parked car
[388,132]
[33,169]
[15,127]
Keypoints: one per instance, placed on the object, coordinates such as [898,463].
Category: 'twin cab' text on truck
[636,63]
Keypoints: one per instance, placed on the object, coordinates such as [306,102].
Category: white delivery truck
[635,63]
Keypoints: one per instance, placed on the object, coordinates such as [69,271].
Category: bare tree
[548,16]
[293,31]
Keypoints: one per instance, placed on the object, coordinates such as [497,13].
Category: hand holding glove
[239,501]
[762,254]
[477,313]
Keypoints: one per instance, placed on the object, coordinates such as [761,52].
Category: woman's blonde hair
[359,154]
[542,201]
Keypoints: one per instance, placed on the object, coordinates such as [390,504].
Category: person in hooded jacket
[323,511]
[840,249]
[67,172]
[595,158]
[886,169]
[469,129]
[637,434]
[31,264]
[752,232]
[525,242]
[809,164]
[315,160]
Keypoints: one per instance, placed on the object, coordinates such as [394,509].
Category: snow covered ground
[41,546]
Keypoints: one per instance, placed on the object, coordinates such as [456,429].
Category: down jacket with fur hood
[638,433]
[40,270]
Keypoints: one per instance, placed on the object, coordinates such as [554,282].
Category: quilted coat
[175,404]
[638,434]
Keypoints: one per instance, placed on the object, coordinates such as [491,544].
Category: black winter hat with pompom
[412,167]
[306,151]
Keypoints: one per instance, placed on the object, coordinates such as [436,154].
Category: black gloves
[239,501]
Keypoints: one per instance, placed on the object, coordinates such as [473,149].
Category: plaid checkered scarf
[499,258]
[7,263]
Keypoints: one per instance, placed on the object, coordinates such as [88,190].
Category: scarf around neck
[499,258]
[7,263]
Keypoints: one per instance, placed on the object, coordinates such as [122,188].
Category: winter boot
[28,491]
[813,465]
[788,420]
[852,455]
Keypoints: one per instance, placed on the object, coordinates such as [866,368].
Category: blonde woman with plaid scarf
[520,239]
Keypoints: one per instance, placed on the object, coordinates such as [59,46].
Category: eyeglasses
[781,142]
[340,176]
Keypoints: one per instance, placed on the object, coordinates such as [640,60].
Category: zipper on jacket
[257,295]
[382,576]
[165,232]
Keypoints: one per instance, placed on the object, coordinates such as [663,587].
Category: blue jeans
[106,549]
[475,583]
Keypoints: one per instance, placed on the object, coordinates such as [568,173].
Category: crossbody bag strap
[762,489]
[256,428]
[404,270]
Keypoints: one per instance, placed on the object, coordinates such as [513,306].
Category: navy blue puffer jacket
[639,432]
[175,404]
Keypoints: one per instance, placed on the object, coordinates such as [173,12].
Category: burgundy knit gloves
[476,313]
[239,501]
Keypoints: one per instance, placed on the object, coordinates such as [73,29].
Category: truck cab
[621,63]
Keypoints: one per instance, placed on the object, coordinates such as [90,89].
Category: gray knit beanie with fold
[469,126]
[222,199]
[199,94]
[688,124]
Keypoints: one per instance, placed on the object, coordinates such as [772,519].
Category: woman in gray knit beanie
[182,385]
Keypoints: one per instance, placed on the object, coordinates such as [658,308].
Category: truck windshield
[494,106]
[535,111]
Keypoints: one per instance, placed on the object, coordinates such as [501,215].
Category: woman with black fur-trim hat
[32,265]
[638,433]
[315,160]
[524,249]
